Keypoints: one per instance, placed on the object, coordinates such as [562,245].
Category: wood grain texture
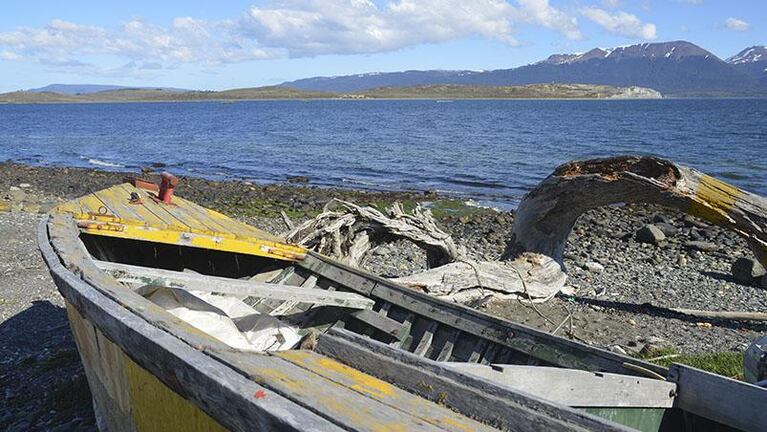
[473,396]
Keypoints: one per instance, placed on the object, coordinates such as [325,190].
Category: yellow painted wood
[110,212]
[155,407]
[128,396]
[382,391]
[717,198]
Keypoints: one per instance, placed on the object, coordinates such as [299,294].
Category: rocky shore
[624,278]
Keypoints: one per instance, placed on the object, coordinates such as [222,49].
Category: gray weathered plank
[502,407]
[380,322]
[147,275]
[425,343]
[577,388]
[724,400]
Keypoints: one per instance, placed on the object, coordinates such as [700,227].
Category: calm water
[489,150]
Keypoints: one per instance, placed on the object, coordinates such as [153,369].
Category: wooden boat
[374,355]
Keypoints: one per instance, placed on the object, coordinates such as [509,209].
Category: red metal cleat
[167,183]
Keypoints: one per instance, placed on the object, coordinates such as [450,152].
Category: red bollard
[167,183]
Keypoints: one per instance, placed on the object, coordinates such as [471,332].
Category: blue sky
[209,45]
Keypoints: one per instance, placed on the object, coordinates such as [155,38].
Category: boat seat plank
[383,392]
[152,276]
[576,388]
[351,407]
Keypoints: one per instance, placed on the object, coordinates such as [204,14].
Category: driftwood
[547,214]
[532,264]
[347,232]
[730,315]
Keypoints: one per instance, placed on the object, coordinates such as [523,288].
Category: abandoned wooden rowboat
[373,355]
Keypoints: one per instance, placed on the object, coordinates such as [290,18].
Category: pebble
[650,234]
[594,267]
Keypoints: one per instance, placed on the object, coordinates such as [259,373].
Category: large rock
[650,234]
[747,270]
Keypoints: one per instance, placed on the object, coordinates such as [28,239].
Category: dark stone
[667,229]
[650,234]
[298,179]
[747,270]
[158,165]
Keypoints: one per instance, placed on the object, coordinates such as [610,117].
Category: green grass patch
[725,363]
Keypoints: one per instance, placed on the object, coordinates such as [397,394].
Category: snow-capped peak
[749,55]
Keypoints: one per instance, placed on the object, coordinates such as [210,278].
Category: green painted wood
[642,419]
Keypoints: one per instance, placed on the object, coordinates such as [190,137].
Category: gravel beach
[621,287]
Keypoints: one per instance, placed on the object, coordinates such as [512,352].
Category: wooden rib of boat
[386,357]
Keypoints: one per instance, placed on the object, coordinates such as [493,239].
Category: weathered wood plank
[724,400]
[380,322]
[289,305]
[472,396]
[447,348]
[425,343]
[476,352]
[383,392]
[352,407]
[147,275]
[223,393]
[576,388]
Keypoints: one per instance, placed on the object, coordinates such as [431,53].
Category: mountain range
[84,89]
[677,68]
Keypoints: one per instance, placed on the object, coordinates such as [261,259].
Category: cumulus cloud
[542,13]
[736,24]
[621,23]
[285,28]
[359,26]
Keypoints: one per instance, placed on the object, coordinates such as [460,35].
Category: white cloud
[736,24]
[359,26]
[279,28]
[542,13]
[621,23]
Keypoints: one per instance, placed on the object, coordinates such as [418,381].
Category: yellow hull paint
[126,396]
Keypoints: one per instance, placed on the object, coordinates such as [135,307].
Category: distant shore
[428,92]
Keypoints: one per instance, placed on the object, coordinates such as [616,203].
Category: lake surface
[492,151]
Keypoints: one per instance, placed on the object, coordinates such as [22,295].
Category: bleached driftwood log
[532,266]
[347,232]
[546,215]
